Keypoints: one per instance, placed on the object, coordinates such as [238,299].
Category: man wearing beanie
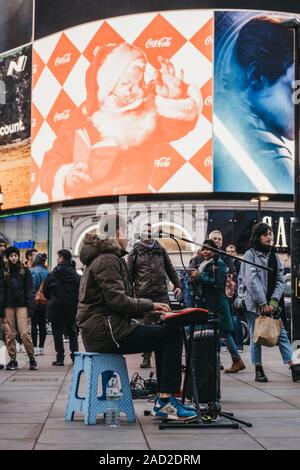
[16,306]
[110,144]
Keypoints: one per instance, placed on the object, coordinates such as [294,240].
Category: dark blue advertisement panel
[253,106]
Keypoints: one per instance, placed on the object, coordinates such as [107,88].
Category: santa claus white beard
[125,130]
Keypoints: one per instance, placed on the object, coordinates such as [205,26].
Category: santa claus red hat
[110,61]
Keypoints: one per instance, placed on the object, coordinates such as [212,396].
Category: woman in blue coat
[38,323]
[211,278]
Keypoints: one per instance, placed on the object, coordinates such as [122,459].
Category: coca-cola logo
[208,101]
[62,116]
[209,40]
[163,162]
[208,161]
[63,60]
[165,41]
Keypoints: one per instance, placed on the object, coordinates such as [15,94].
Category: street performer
[107,306]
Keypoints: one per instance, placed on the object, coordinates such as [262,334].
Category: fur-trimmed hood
[94,246]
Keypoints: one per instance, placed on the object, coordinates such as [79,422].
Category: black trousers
[58,330]
[38,320]
[167,344]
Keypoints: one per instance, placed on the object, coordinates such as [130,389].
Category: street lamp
[259,200]
[1,198]
[294,25]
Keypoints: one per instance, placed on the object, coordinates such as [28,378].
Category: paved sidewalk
[32,405]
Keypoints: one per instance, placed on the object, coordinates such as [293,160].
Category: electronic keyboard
[188,316]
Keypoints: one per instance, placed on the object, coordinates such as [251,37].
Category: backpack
[40,299]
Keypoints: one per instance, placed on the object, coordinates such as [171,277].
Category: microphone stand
[214,405]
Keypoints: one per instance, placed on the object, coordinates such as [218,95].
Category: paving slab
[32,407]
[16,444]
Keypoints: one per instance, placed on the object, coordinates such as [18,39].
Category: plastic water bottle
[113,394]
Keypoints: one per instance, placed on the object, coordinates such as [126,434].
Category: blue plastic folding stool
[92,365]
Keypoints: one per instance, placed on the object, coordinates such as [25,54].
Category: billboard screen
[15,121]
[15,23]
[123,106]
[253,108]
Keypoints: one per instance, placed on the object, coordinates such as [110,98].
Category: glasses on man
[3,245]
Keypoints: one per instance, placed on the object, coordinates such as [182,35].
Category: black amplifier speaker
[204,351]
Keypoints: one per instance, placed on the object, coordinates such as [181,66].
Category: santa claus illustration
[108,146]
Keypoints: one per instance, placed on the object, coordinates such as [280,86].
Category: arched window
[175,229]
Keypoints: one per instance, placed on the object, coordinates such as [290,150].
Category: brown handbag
[40,299]
[266,331]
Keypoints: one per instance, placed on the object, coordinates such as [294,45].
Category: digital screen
[123,106]
[253,107]
[15,23]
[15,122]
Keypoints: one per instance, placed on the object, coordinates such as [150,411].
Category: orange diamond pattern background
[160,38]
[105,35]
[63,58]
[37,67]
[203,40]
[60,63]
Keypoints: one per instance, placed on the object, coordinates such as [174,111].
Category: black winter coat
[61,288]
[16,289]
[148,268]
[106,302]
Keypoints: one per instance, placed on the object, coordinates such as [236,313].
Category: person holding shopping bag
[262,291]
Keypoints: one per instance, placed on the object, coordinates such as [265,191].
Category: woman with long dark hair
[16,306]
[262,291]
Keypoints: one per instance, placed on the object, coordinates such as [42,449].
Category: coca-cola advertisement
[15,122]
[123,106]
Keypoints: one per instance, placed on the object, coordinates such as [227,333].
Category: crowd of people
[119,300]
[31,296]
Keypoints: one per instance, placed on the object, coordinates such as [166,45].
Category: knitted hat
[10,250]
[110,61]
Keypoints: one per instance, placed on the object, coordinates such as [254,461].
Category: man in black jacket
[149,265]
[61,288]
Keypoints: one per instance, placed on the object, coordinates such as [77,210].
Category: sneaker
[173,410]
[32,364]
[240,350]
[12,365]
[41,351]
[58,362]
[2,366]
[36,351]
